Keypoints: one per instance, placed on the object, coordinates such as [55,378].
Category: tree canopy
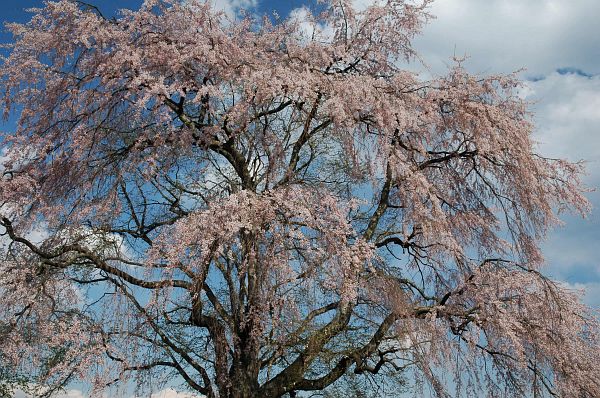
[266,207]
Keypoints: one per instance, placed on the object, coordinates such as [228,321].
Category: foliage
[266,208]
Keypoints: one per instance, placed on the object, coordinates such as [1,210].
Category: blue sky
[559,44]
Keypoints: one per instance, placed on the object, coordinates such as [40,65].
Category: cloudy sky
[557,41]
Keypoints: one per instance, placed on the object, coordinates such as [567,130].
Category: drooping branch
[242,162]
[207,388]
[53,259]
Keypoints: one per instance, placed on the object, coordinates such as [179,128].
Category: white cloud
[19,394]
[505,35]
[567,117]
[233,7]
[71,394]
[98,241]
[171,393]
[590,292]
[308,27]
[363,4]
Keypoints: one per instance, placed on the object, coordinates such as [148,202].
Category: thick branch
[287,380]
[381,206]
[357,357]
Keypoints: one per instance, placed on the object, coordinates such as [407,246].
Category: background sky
[557,41]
